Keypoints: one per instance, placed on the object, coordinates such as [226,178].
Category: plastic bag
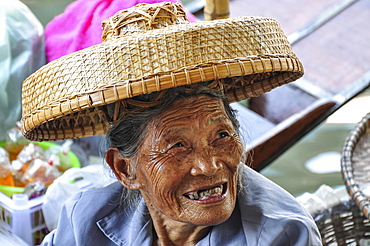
[22,52]
[58,155]
[72,181]
[15,141]
[29,153]
[41,171]
[6,171]
[323,199]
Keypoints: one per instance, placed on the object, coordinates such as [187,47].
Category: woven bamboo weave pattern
[355,164]
[125,63]
[149,48]
[343,224]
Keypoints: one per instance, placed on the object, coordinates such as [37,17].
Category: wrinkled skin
[191,146]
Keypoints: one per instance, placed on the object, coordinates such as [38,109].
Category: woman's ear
[122,168]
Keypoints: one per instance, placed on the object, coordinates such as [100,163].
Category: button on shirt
[265,214]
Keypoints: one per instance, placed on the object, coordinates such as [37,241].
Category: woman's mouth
[212,194]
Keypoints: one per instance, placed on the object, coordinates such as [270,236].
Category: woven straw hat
[148,48]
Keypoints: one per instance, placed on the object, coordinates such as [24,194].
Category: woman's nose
[205,165]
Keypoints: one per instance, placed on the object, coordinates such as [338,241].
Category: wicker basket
[343,224]
[355,164]
[348,222]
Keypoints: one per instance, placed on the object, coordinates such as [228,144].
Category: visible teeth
[205,193]
[218,190]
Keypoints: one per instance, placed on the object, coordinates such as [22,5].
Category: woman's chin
[211,218]
[208,213]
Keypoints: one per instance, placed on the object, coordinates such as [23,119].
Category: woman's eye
[222,135]
[177,145]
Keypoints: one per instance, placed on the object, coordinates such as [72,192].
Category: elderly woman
[160,88]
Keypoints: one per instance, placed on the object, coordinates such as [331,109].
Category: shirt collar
[128,226]
[229,232]
[134,227]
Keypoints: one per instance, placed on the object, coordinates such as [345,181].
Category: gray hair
[128,133]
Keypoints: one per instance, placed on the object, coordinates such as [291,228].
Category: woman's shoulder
[263,196]
[79,216]
[273,213]
[94,202]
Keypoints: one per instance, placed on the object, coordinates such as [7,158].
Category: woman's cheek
[155,170]
[238,149]
[164,173]
[168,197]
[166,185]
[233,146]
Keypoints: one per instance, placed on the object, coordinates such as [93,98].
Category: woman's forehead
[184,114]
[178,127]
[193,107]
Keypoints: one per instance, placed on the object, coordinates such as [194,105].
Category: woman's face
[188,162]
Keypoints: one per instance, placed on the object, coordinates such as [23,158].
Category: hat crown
[143,17]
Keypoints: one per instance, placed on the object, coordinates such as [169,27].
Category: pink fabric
[80,25]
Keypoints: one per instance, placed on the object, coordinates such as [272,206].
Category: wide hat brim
[65,98]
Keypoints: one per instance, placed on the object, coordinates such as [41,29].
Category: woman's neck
[169,232]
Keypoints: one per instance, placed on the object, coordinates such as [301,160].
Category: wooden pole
[216,9]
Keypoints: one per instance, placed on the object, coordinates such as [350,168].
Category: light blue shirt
[265,215]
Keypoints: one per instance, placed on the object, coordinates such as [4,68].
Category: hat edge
[226,70]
